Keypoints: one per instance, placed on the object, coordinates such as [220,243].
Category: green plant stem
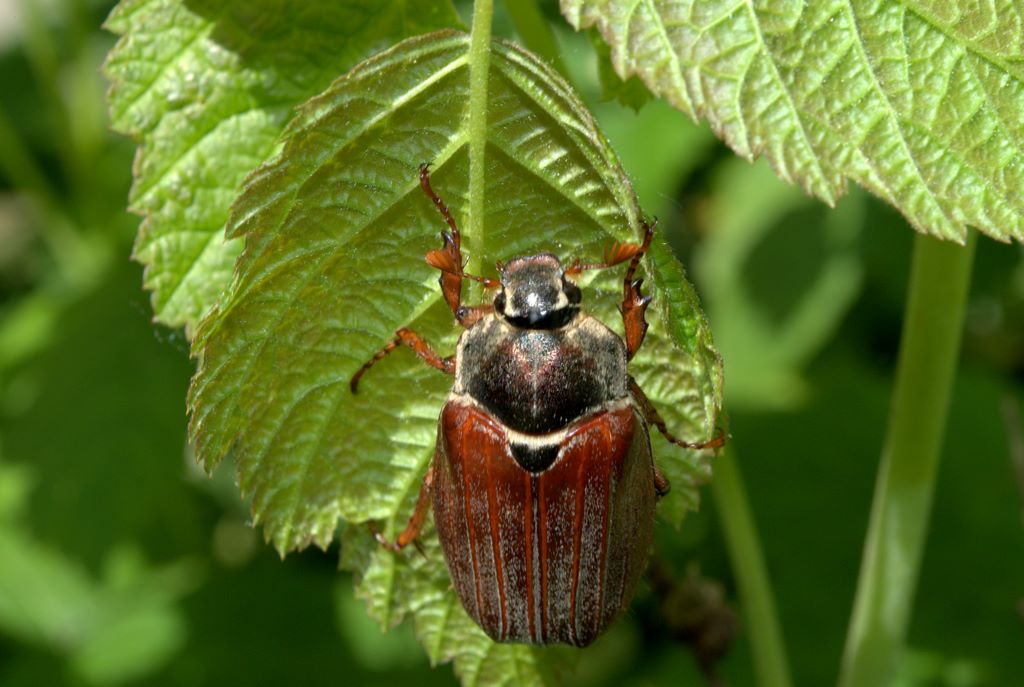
[479,66]
[535,31]
[760,619]
[939,281]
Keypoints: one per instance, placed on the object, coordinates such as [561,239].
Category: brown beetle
[542,482]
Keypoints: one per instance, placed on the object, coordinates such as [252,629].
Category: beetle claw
[661,484]
[390,546]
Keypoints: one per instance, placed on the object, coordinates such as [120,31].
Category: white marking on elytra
[536,441]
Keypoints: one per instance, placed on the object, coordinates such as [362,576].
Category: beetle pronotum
[542,482]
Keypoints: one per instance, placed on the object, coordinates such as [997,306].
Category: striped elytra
[552,556]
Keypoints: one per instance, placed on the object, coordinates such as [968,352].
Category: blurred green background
[121,563]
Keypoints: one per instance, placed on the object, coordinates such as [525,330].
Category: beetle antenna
[616,255]
[619,253]
[442,260]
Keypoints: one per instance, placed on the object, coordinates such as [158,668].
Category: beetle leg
[633,308]
[661,484]
[448,259]
[415,524]
[439,204]
[652,417]
[634,304]
[644,247]
[618,254]
[411,339]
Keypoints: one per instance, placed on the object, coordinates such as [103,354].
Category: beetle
[542,481]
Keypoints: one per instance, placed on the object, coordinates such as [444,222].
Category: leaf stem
[479,66]
[760,617]
[939,282]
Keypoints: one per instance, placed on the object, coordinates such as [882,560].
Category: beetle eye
[499,302]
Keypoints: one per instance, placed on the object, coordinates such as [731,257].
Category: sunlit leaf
[920,101]
[205,87]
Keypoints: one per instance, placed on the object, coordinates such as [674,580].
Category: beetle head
[535,293]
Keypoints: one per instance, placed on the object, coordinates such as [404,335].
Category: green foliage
[205,87]
[95,523]
[920,102]
[630,92]
[111,630]
[771,321]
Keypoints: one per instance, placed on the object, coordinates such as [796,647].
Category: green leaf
[630,92]
[335,229]
[769,322]
[920,101]
[122,627]
[205,88]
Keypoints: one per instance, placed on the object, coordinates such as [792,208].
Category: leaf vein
[675,70]
[893,116]
[790,104]
[972,46]
[144,88]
